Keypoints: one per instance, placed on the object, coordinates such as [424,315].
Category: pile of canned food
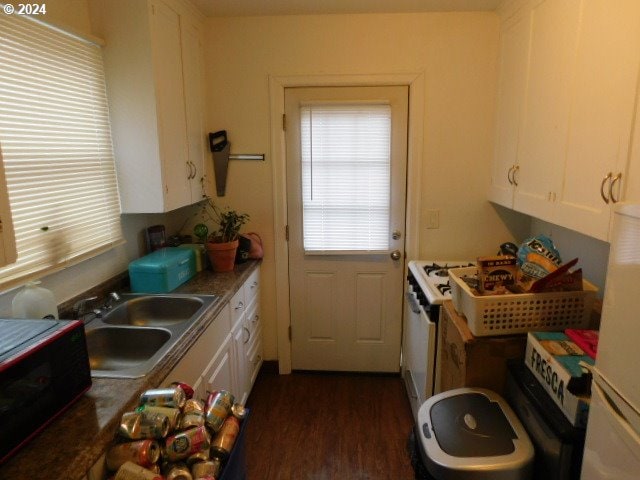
[172,436]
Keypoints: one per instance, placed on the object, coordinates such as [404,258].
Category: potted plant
[222,243]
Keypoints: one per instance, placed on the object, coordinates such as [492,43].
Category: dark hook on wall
[220,148]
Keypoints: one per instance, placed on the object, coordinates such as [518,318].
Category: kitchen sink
[130,338]
[117,349]
[154,311]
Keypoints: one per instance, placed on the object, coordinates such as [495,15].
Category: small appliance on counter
[163,270]
[44,369]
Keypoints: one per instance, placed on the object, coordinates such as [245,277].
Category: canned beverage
[223,441]
[198,457]
[144,453]
[210,468]
[185,444]
[178,472]
[193,414]
[164,397]
[238,411]
[206,477]
[218,409]
[139,425]
[131,471]
[173,414]
[187,389]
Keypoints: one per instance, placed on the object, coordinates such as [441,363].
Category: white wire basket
[493,315]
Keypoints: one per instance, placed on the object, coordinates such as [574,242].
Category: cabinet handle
[254,284]
[258,359]
[509,175]
[240,306]
[515,170]
[604,181]
[615,180]
[256,317]
[248,335]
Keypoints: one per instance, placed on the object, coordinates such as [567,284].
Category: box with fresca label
[555,361]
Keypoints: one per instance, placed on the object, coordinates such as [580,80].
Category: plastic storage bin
[162,271]
[489,315]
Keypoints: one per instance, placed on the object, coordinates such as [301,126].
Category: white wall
[457,52]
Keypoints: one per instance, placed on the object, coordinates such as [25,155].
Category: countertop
[72,443]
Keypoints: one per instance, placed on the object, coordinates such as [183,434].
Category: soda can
[184,444]
[193,414]
[139,425]
[210,468]
[164,397]
[144,453]
[218,408]
[222,443]
[198,457]
[187,389]
[131,471]
[178,472]
[238,411]
[173,414]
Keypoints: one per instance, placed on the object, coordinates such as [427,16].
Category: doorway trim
[415,133]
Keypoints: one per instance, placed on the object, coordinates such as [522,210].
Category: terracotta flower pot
[222,255]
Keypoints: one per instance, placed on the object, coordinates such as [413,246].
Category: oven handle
[413,304]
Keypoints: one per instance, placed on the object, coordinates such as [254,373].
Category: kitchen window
[55,146]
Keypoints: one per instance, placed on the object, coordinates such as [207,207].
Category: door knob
[396,255]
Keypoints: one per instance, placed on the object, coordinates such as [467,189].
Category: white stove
[427,287]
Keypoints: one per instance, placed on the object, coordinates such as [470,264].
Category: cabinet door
[170,104]
[219,374]
[514,54]
[240,338]
[554,36]
[601,115]
[192,68]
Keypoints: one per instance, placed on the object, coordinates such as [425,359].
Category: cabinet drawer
[252,318]
[252,287]
[238,306]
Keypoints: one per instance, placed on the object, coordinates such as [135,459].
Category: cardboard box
[464,360]
[554,360]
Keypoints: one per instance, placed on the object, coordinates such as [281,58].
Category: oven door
[418,353]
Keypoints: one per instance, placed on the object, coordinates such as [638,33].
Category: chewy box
[162,271]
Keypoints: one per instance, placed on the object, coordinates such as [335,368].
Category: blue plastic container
[162,271]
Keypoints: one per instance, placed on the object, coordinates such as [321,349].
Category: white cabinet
[568,81]
[228,355]
[246,336]
[154,68]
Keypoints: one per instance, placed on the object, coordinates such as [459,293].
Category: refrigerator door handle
[620,414]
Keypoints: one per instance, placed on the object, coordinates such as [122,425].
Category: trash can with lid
[472,434]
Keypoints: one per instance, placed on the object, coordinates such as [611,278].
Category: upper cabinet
[154,67]
[566,103]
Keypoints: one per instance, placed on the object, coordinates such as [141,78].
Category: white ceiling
[234,8]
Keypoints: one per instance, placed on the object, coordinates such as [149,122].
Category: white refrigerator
[612,448]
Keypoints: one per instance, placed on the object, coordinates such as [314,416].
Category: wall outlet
[433,219]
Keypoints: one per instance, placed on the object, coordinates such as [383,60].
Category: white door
[346,184]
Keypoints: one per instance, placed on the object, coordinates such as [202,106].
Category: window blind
[55,142]
[346,164]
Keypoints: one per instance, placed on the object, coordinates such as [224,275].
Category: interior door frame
[415,134]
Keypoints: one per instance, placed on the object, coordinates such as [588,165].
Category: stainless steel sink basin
[117,349]
[154,311]
[129,339]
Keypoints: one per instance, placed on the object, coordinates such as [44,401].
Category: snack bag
[538,256]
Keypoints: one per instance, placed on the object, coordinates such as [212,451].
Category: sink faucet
[82,308]
[111,300]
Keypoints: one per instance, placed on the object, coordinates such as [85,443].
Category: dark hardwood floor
[321,426]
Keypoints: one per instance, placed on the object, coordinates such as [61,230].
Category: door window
[346,168]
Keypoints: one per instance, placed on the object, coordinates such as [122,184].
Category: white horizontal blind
[345,177]
[55,141]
